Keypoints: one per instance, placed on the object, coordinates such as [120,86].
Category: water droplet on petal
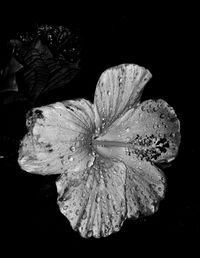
[89,233]
[72,148]
[116,228]
[77,212]
[97,199]
[83,194]
[70,158]
[108,196]
[84,215]
[108,93]
[155,109]
[90,163]
[120,80]
[65,207]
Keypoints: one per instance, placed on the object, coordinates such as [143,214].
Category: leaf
[47,59]
[35,74]
[8,75]
[43,73]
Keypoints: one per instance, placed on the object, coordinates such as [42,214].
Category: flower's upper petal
[58,138]
[151,131]
[93,199]
[118,89]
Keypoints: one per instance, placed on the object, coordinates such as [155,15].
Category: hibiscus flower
[107,153]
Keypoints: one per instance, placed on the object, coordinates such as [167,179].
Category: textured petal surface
[144,184]
[94,200]
[150,134]
[151,131]
[117,90]
[58,138]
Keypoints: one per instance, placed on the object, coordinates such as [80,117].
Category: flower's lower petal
[145,183]
[58,139]
[145,187]
[94,201]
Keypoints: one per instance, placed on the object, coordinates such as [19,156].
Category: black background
[163,40]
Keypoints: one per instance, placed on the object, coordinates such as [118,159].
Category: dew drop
[108,196]
[77,212]
[155,109]
[84,215]
[65,207]
[83,194]
[70,158]
[90,163]
[116,228]
[89,234]
[97,199]
[72,148]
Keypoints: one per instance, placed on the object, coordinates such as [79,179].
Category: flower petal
[59,138]
[151,132]
[144,185]
[143,136]
[117,90]
[94,200]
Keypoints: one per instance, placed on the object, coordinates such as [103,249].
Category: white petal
[145,183]
[152,131]
[58,139]
[118,88]
[94,202]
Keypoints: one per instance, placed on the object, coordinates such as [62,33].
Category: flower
[106,153]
